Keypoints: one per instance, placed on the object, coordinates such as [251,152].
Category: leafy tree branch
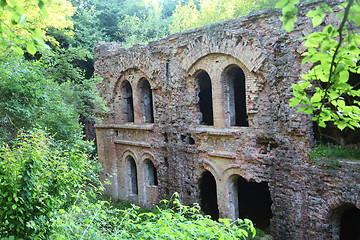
[334,53]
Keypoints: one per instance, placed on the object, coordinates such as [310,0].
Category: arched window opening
[208,195]
[132,171]
[235,95]
[147,102]
[253,201]
[205,98]
[349,225]
[151,173]
[128,102]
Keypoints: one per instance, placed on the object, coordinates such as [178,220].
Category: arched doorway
[251,200]
[208,195]
[205,98]
[350,224]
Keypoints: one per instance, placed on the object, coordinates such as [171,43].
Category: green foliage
[102,221]
[331,151]
[31,97]
[191,15]
[143,25]
[37,178]
[334,53]
[18,19]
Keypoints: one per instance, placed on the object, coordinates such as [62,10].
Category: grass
[328,156]
[332,151]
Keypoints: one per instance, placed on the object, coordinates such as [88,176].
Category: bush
[37,178]
[102,221]
[29,99]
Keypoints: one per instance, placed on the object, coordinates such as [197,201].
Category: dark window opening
[147,102]
[151,173]
[208,196]
[191,141]
[129,106]
[350,224]
[183,138]
[133,175]
[166,162]
[253,201]
[205,98]
[235,93]
[165,137]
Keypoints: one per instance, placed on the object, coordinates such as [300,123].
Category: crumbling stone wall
[272,149]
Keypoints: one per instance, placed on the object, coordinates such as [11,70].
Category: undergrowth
[329,155]
[102,220]
[334,152]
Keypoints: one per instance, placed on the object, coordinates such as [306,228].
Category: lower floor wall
[286,198]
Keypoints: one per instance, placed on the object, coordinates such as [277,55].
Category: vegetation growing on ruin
[170,220]
[50,191]
[48,173]
[331,151]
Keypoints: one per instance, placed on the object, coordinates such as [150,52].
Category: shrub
[102,221]
[37,177]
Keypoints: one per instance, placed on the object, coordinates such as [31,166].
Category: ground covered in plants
[51,190]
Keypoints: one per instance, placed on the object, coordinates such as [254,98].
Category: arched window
[251,200]
[132,174]
[235,96]
[205,98]
[128,102]
[150,173]
[146,101]
[208,195]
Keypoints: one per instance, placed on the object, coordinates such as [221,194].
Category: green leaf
[316,97]
[30,48]
[279,4]
[317,20]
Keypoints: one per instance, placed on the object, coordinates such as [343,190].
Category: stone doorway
[350,224]
[208,195]
[252,200]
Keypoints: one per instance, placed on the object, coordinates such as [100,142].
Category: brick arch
[148,155]
[233,170]
[334,208]
[122,77]
[140,58]
[244,51]
[337,202]
[226,60]
[141,80]
[208,166]
[129,152]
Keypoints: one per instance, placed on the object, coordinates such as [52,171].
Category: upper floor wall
[233,76]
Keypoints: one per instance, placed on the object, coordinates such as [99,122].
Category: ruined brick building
[205,113]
